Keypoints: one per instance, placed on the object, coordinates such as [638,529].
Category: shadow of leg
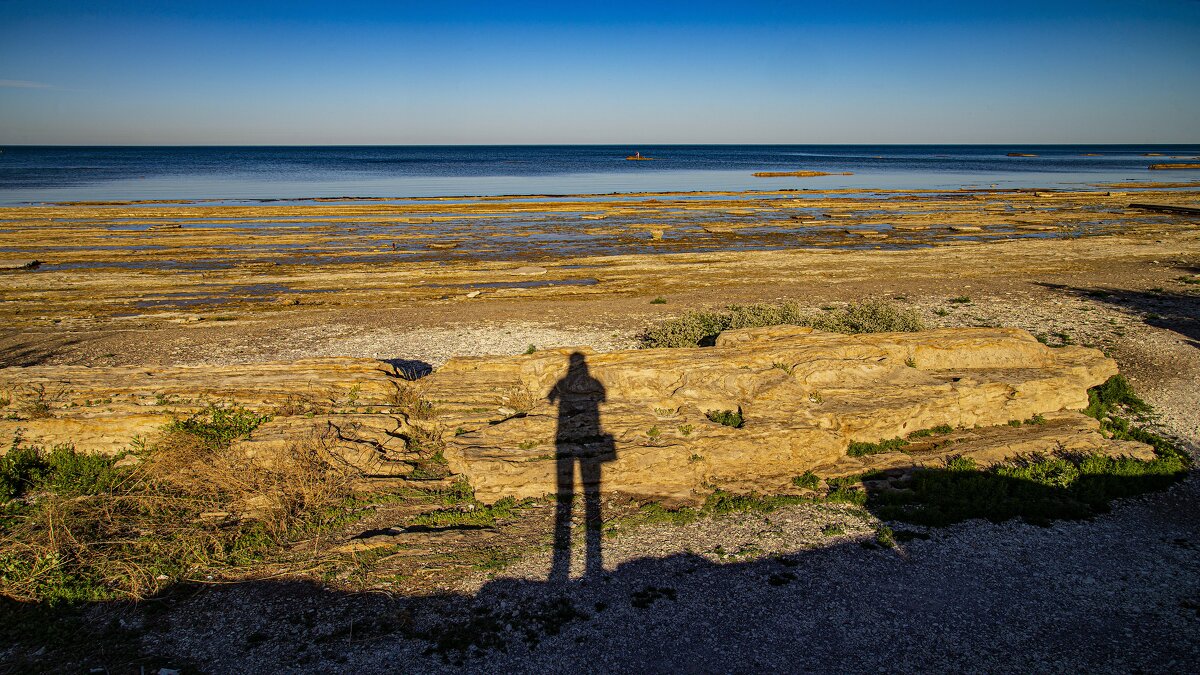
[560,567]
[590,473]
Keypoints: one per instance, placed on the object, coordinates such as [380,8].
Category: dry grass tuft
[36,404]
[410,401]
[192,507]
[522,400]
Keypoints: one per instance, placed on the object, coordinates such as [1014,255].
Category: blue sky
[349,72]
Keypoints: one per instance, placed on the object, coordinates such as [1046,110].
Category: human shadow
[581,441]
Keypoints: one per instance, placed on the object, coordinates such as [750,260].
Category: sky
[299,72]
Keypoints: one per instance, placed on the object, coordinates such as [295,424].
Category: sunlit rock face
[754,411]
[803,397]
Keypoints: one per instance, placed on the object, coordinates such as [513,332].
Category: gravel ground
[436,345]
[1118,594]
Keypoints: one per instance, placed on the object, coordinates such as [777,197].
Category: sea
[41,174]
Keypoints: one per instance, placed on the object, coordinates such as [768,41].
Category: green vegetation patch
[1115,394]
[219,425]
[729,418]
[860,449]
[61,470]
[1038,490]
[699,328]
[807,481]
[470,513]
[1042,488]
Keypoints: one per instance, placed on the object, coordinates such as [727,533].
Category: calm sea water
[38,174]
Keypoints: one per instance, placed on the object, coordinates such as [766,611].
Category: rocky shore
[421,367]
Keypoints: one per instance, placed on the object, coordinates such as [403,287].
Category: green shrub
[72,473]
[20,469]
[808,481]
[1037,490]
[63,471]
[764,314]
[727,502]
[859,449]
[925,433]
[730,418]
[869,317]
[478,515]
[690,330]
[218,426]
[701,328]
[884,536]
[1113,394]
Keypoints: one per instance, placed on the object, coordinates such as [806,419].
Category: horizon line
[632,144]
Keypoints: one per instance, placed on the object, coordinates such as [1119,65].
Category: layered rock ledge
[789,400]
[803,397]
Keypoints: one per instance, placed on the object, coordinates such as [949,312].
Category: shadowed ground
[1111,595]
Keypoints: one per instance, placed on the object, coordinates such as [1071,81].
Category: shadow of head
[578,382]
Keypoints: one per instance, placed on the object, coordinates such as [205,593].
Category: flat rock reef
[947,429]
[189,261]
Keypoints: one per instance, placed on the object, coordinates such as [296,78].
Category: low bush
[20,469]
[729,418]
[860,449]
[1114,394]
[217,425]
[700,328]
[808,480]
[62,470]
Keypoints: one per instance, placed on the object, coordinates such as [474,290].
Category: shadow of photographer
[579,441]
